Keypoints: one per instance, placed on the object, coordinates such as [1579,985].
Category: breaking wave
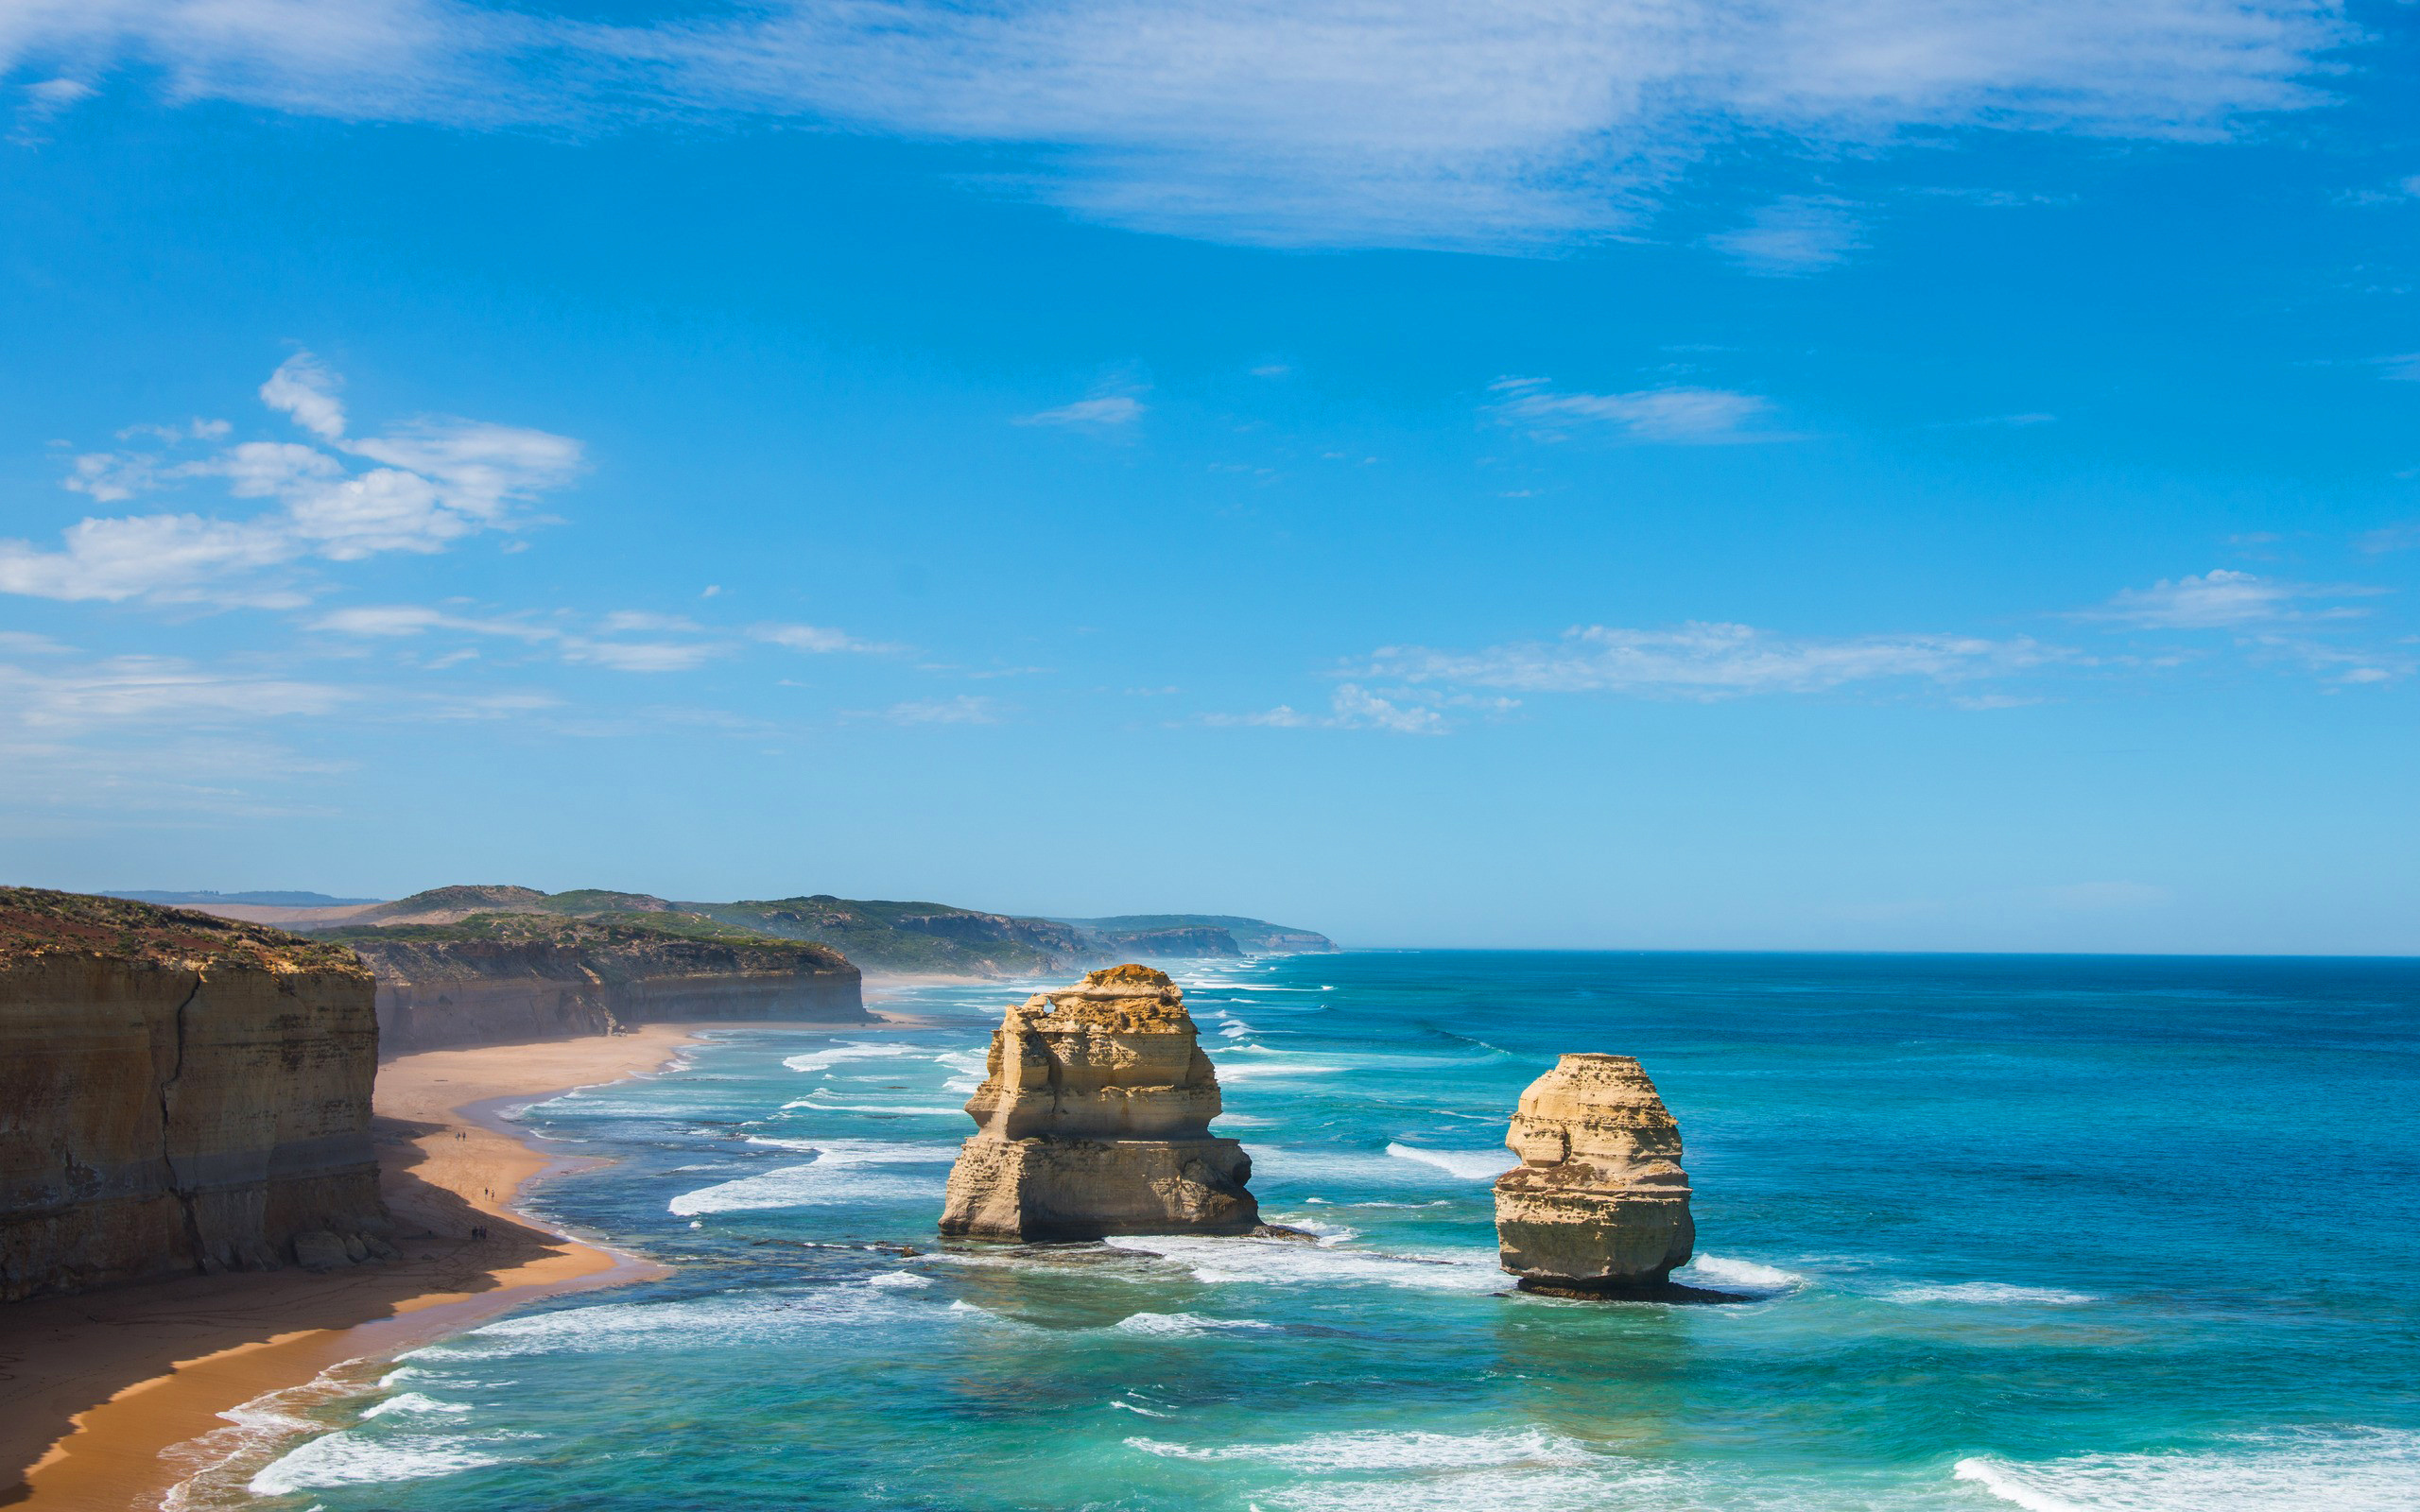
[2361,1469]
[853,1050]
[350,1458]
[1471,1165]
[1989,1292]
[1187,1325]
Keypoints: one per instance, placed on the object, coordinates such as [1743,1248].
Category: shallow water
[2055,1233]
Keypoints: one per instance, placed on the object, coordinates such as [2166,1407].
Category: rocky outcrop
[511,978]
[179,1093]
[1599,1206]
[1183,942]
[1095,1119]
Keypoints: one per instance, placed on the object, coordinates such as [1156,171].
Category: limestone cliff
[1599,1206]
[1094,1119]
[177,1093]
[508,978]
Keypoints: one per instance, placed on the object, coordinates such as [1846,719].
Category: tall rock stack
[1095,1119]
[1599,1206]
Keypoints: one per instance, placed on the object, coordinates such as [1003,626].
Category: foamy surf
[1471,1165]
[1291,1263]
[1718,1273]
[1187,1325]
[838,1173]
[1378,1450]
[351,1458]
[1989,1294]
[855,1050]
[2359,1469]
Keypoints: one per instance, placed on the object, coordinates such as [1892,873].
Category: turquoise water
[2057,1233]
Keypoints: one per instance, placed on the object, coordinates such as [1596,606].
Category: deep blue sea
[2051,1233]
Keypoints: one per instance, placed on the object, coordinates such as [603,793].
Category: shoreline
[97,1387]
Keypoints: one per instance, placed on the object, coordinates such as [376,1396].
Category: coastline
[95,1387]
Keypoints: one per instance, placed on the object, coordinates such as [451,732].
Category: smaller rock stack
[1599,1206]
[1095,1119]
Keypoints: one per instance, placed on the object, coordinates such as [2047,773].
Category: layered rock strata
[179,1093]
[506,979]
[1599,1206]
[1094,1120]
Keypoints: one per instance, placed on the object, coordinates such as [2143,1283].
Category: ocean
[2050,1232]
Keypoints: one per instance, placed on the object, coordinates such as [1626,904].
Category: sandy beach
[94,1387]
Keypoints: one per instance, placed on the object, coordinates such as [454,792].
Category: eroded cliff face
[497,979]
[1095,1119]
[1599,1206]
[177,1093]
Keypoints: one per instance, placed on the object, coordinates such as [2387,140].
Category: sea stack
[1599,1206]
[1095,1119]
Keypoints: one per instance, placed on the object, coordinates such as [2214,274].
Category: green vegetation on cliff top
[36,921]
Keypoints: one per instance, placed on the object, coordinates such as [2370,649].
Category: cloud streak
[1678,415]
[1708,660]
[1466,123]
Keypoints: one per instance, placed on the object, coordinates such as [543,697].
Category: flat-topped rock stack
[1599,1206]
[1095,1119]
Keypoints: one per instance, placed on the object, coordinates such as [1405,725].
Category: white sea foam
[2360,1469]
[1393,1451]
[1990,1294]
[414,1402]
[851,1050]
[1263,1069]
[350,1458]
[1291,1262]
[929,1110]
[1724,1275]
[1128,1406]
[1236,1029]
[683,1324]
[1187,1325]
[844,1171]
[900,1278]
[1471,1165]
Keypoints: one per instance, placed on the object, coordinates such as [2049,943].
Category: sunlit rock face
[1599,1206]
[1095,1119]
[179,1093]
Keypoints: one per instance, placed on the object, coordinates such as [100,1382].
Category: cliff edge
[505,978]
[179,1093]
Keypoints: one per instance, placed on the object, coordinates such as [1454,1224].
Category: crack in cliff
[185,1197]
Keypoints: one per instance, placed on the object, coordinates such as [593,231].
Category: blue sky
[1844,476]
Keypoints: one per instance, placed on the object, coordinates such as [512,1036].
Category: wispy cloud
[2223,599]
[1474,122]
[815,638]
[147,691]
[963,709]
[1793,235]
[1694,416]
[1709,661]
[1351,707]
[1106,410]
[434,482]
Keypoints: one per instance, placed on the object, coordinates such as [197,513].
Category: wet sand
[163,1361]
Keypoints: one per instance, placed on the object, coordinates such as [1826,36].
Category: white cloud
[1680,415]
[1330,122]
[1353,707]
[641,656]
[815,638]
[1708,660]
[1794,235]
[441,480]
[388,620]
[624,620]
[1109,409]
[2221,599]
[151,690]
[962,710]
